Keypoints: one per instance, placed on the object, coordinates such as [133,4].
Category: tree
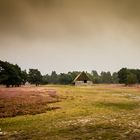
[10,74]
[95,77]
[122,75]
[129,76]
[131,79]
[137,73]
[34,76]
[62,78]
[66,78]
[106,77]
[54,77]
[45,79]
[17,76]
[115,78]
[24,76]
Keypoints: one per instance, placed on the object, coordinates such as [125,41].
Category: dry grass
[99,112]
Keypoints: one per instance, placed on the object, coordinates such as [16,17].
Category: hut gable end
[82,79]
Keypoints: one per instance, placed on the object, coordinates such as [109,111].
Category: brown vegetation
[22,101]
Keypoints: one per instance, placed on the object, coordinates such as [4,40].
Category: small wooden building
[82,80]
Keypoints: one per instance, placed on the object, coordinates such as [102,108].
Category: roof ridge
[81,77]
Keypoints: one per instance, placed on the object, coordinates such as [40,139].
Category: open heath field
[99,112]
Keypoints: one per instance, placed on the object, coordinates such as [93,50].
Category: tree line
[12,75]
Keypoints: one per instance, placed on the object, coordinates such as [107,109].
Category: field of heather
[99,112]
[22,101]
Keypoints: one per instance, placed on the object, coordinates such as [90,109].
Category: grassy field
[100,112]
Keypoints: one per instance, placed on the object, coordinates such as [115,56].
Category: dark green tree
[34,77]
[24,76]
[54,78]
[129,76]
[10,74]
[106,77]
[95,77]
[131,79]
[137,73]
[115,78]
[122,75]
[46,79]
[65,78]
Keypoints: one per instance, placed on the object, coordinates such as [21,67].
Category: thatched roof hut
[82,79]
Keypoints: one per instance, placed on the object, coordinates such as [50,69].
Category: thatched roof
[81,77]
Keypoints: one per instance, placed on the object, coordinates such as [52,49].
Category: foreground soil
[99,112]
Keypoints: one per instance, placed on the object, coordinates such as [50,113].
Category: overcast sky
[67,35]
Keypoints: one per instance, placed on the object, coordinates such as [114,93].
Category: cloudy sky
[67,35]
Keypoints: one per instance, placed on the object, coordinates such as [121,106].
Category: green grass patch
[118,106]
